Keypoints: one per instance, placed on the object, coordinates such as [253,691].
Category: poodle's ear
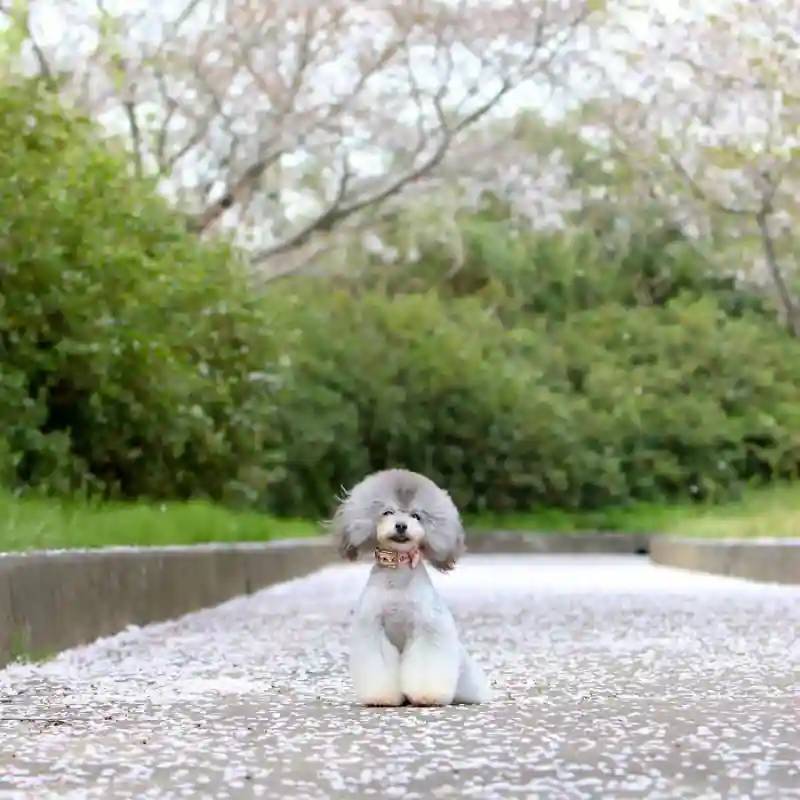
[351,527]
[444,534]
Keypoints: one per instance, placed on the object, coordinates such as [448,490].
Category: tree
[286,122]
[709,111]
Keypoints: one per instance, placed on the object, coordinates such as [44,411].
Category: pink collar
[392,559]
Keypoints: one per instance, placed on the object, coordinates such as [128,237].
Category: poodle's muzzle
[400,531]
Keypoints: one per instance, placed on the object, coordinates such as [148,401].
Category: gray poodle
[405,646]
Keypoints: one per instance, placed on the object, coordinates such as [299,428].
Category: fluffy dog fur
[405,647]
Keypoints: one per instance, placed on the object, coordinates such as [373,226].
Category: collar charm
[391,559]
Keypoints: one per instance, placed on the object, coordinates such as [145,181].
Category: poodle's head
[402,511]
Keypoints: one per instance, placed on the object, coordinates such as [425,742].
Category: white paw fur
[429,672]
[473,687]
[375,669]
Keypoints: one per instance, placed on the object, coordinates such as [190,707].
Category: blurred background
[544,251]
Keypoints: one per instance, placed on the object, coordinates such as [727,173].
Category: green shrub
[614,405]
[525,274]
[415,382]
[696,403]
[127,345]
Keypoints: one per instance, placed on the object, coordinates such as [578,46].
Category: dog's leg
[429,668]
[375,667]
[472,687]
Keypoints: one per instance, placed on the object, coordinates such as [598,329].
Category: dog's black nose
[400,534]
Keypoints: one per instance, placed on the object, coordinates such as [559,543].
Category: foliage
[126,345]
[524,370]
[690,401]
[522,272]
[413,381]
[610,406]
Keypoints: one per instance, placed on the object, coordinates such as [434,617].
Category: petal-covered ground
[614,678]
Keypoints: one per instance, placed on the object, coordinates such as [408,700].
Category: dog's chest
[398,623]
[400,615]
[402,601]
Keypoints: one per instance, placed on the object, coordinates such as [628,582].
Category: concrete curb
[50,601]
[556,543]
[53,600]
[762,560]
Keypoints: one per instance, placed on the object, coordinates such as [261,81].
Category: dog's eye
[387,513]
[416,516]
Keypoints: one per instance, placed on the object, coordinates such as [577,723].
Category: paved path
[615,679]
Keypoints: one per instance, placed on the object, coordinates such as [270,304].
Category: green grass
[38,524]
[19,652]
[773,511]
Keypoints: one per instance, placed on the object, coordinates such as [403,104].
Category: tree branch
[23,20]
[763,220]
[129,106]
[234,195]
[337,211]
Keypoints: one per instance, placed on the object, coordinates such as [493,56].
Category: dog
[405,648]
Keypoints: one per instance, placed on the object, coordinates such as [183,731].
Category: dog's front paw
[428,675]
[375,670]
[423,698]
[384,700]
